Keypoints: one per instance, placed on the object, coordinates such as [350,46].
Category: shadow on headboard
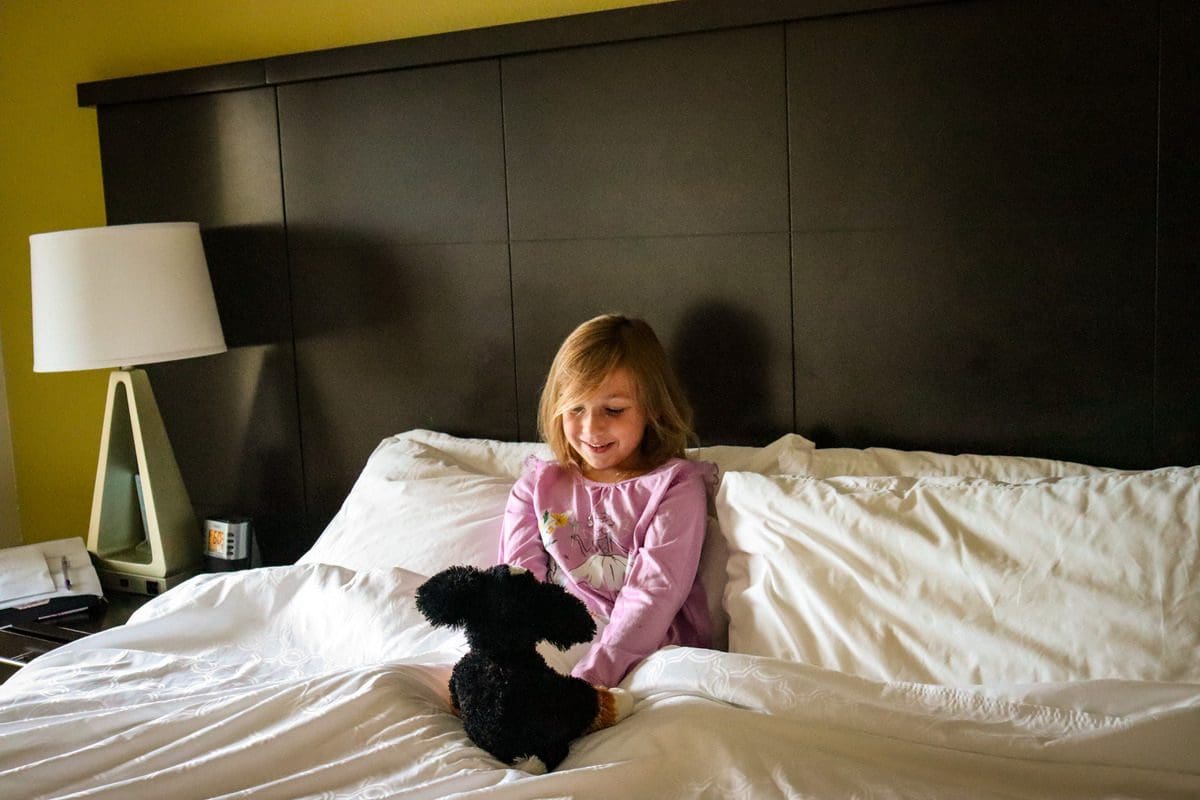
[963,226]
[730,393]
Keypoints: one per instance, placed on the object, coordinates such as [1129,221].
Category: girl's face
[606,427]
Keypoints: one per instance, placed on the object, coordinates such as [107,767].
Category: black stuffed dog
[511,702]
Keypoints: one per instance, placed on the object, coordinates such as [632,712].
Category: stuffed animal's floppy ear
[562,617]
[448,597]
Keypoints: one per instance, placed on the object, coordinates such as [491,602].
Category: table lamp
[120,296]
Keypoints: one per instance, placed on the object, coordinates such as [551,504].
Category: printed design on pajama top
[589,552]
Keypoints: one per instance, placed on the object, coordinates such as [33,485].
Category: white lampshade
[121,295]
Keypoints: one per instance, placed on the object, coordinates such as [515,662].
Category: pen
[66,577]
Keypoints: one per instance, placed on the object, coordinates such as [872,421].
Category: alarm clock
[227,544]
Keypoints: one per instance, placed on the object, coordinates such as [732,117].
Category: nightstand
[22,642]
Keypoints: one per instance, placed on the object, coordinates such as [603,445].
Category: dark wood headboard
[962,226]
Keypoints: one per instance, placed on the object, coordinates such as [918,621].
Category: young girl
[618,518]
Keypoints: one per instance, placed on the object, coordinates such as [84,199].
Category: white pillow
[421,508]
[828,462]
[962,582]
[775,457]
[480,456]
[427,500]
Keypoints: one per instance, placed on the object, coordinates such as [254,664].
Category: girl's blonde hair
[587,357]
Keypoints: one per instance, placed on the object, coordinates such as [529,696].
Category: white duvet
[317,681]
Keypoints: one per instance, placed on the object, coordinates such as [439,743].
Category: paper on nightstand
[33,591]
[23,573]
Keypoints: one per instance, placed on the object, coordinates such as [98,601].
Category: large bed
[893,624]
[928,273]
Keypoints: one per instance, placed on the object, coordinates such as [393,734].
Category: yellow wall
[50,168]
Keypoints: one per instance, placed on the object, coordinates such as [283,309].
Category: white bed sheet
[316,681]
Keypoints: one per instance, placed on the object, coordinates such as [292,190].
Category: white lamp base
[141,584]
[142,520]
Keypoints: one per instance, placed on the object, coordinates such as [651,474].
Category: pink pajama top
[630,550]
